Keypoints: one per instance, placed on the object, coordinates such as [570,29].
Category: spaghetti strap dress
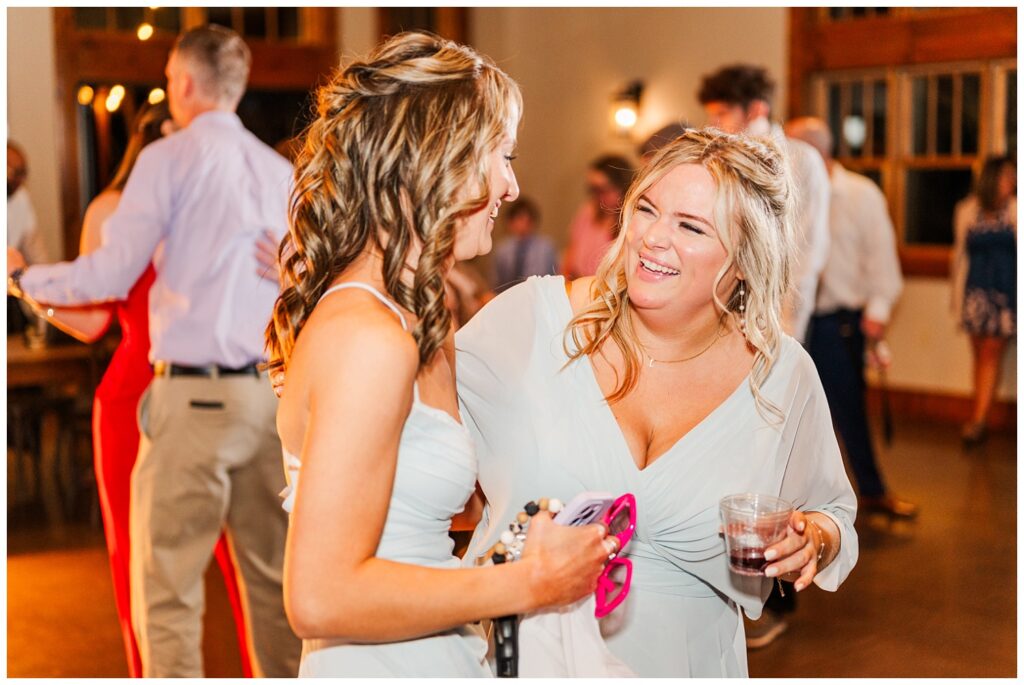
[435,475]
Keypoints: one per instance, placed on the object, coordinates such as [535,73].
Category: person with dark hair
[209,456]
[859,287]
[596,223]
[524,252]
[660,138]
[115,432]
[22,228]
[985,280]
[738,99]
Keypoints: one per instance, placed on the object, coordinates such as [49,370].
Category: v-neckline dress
[543,429]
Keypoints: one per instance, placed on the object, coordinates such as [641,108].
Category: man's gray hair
[219,61]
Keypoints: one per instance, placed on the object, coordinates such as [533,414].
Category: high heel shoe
[974,433]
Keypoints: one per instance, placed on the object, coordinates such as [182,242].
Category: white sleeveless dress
[434,477]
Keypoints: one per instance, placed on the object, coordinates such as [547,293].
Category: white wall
[570,63]
[32,116]
[930,352]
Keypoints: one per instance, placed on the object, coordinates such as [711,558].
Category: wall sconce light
[156,95]
[145,31]
[626,107]
[85,95]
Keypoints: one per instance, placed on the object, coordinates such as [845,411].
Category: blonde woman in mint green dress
[682,391]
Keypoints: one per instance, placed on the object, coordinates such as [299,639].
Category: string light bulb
[145,31]
[114,98]
[156,95]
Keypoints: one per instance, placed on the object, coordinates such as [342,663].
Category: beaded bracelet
[510,548]
[510,545]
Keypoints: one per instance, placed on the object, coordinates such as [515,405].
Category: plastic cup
[751,524]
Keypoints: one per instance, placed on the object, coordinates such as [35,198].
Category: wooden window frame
[452,23]
[904,39]
[105,56]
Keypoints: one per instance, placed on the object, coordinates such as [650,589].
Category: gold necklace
[651,360]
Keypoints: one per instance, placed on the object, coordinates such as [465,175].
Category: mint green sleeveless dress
[434,477]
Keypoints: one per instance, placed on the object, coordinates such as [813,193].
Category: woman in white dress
[401,174]
[667,375]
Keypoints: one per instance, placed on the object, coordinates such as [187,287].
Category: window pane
[919,95]
[129,18]
[853,125]
[931,197]
[1011,112]
[255,21]
[879,119]
[219,15]
[944,114]
[91,17]
[276,115]
[409,19]
[834,123]
[836,12]
[288,22]
[167,19]
[969,115]
[858,11]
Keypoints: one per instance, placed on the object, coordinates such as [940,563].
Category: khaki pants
[209,458]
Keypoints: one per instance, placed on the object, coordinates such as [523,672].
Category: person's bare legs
[988,356]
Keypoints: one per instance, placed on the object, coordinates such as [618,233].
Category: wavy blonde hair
[399,138]
[753,216]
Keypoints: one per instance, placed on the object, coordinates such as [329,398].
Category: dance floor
[936,597]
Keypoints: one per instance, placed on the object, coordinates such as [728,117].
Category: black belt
[161,368]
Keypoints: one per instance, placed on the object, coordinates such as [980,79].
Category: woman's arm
[88,323]
[821,542]
[334,585]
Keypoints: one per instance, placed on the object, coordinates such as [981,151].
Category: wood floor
[933,598]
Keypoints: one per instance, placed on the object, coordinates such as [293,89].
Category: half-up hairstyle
[399,138]
[753,216]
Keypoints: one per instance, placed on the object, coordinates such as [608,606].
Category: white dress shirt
[23,229]
[195,205]
[812,233]
[863,268]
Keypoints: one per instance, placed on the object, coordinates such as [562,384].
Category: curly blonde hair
[399,137]
[753,216]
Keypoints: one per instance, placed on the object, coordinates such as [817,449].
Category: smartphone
[585,508]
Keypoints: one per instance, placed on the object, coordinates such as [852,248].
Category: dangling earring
[743,309]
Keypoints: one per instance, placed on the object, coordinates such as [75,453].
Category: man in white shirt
[737,99]
[22,228]
[859,286]
[209,455]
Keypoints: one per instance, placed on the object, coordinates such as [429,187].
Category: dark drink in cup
[751,524]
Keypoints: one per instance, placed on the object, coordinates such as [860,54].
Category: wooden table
[63,370]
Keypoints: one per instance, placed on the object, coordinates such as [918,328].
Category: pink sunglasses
[621,522]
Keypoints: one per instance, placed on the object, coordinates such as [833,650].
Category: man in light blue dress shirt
[195,204]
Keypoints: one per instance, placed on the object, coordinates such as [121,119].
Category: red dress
[115,446]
